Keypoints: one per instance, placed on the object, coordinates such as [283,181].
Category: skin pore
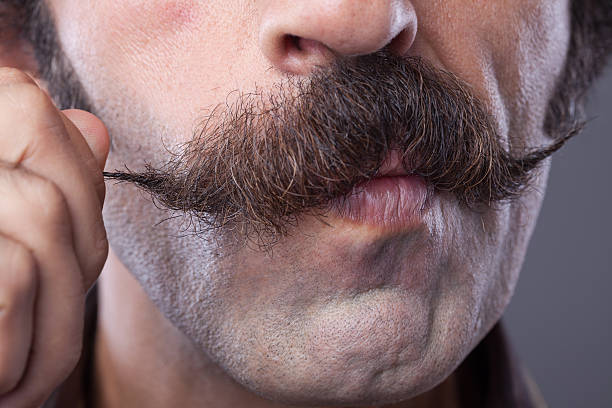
[339,313]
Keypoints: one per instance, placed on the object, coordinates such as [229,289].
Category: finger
[11,75]
[34,213]
[17,294]
[90,138]
[33,135]
[93,131]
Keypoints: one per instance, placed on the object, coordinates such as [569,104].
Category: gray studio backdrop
[559,319]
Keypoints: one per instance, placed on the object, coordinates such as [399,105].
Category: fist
[52,238]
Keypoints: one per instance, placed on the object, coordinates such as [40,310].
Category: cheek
[131,21]
[177,59]
[168,15]
[528,63]
[517,226]
[510,51]
[131,42]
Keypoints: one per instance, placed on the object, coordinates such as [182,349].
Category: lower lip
[384,201]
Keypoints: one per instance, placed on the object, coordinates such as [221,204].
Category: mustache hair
[256,165]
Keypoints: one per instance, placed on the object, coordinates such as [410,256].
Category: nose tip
[298,35]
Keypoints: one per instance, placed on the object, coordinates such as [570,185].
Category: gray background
[559,319]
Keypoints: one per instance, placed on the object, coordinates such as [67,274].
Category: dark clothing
[490,377]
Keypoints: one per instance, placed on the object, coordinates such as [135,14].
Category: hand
[52,239]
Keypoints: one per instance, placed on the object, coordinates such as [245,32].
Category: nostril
[300,55]
[292,42]
[401,43]
[297,44]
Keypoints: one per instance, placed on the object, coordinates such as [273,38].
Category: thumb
[94,132]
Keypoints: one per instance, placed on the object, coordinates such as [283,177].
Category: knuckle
[10,75]
[31,199]
[26,103]
[29,96]
[26,110]
[40,204]
[22,266]
[19,280]
[48,199]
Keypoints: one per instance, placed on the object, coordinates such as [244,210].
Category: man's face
[338,310]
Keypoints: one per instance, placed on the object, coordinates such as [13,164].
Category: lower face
[338,311]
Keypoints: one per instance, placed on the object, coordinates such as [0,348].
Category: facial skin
[337,313]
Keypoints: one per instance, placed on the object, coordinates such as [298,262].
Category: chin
[381,347]
[379,355]
[366,385]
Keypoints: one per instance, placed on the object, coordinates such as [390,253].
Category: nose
[298,35]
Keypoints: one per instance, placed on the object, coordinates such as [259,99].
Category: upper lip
[392,166]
